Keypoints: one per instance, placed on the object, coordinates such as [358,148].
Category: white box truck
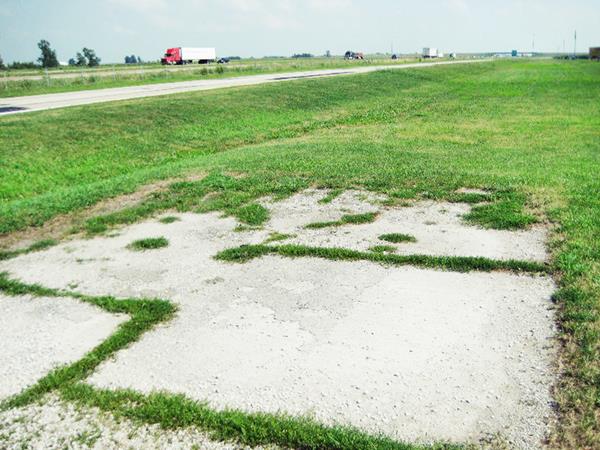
[189,55]
[430,52]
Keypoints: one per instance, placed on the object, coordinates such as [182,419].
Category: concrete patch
[38,334]
[416,354]
[438,227]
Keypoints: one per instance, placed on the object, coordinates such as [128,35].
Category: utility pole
[575,47]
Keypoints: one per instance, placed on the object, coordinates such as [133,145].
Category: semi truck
[189,55]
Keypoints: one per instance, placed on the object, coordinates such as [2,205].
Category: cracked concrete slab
[40,333]
[416,354]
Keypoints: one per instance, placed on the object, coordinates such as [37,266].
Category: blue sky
[115,28]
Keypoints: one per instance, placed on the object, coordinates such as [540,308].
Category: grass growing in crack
[144,314]
[504,214]
[331,196]
[246,253]
[382,249]
[278,237]
[397,238]
[172,411]
[169,219]
[253,214]
[35,247]
[348,219]
[148,244]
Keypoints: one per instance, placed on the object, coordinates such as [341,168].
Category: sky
[115,28]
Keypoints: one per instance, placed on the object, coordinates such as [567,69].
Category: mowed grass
[528,132]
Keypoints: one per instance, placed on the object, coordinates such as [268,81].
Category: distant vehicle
[453,55]
[189,55]
[595,53]
[353,55]
[223,60]
[430,52]
[514,53]
[394,56]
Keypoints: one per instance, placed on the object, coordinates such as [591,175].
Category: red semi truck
[189,55]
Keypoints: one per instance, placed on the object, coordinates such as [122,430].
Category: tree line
[48,59]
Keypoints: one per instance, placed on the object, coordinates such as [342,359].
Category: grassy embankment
[529,131]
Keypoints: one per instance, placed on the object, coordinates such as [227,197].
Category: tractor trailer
[189,55]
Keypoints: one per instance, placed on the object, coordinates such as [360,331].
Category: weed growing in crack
[349,219]
[397,238]
[148,244]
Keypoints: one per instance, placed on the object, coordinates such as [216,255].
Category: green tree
[80,60]
[48,57]
[92,59]
[2,66]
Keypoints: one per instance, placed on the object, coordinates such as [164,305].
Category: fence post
[47,77]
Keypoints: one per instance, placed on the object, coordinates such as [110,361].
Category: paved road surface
[15,105]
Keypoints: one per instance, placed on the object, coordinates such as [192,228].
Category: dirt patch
[419,355]
[60,226]
[473,191]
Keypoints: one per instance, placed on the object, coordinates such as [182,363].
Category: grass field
[528,131]
[121,76]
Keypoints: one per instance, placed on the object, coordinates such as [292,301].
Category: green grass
[382,249]
[331,196]
[347,219]
[141,245]
[173,411]
[246,253]
[169,219]
[528,132]
[278,237]
[253,214]
[397,238]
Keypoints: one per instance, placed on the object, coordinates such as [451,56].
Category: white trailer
[198,54]
[430,52]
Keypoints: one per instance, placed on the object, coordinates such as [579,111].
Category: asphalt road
[16,105]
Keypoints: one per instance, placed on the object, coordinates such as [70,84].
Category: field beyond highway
[518,141]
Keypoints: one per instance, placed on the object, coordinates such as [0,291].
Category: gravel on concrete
[419,355]
[39,333]
[55,425]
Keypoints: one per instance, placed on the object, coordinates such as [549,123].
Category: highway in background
[16,105]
